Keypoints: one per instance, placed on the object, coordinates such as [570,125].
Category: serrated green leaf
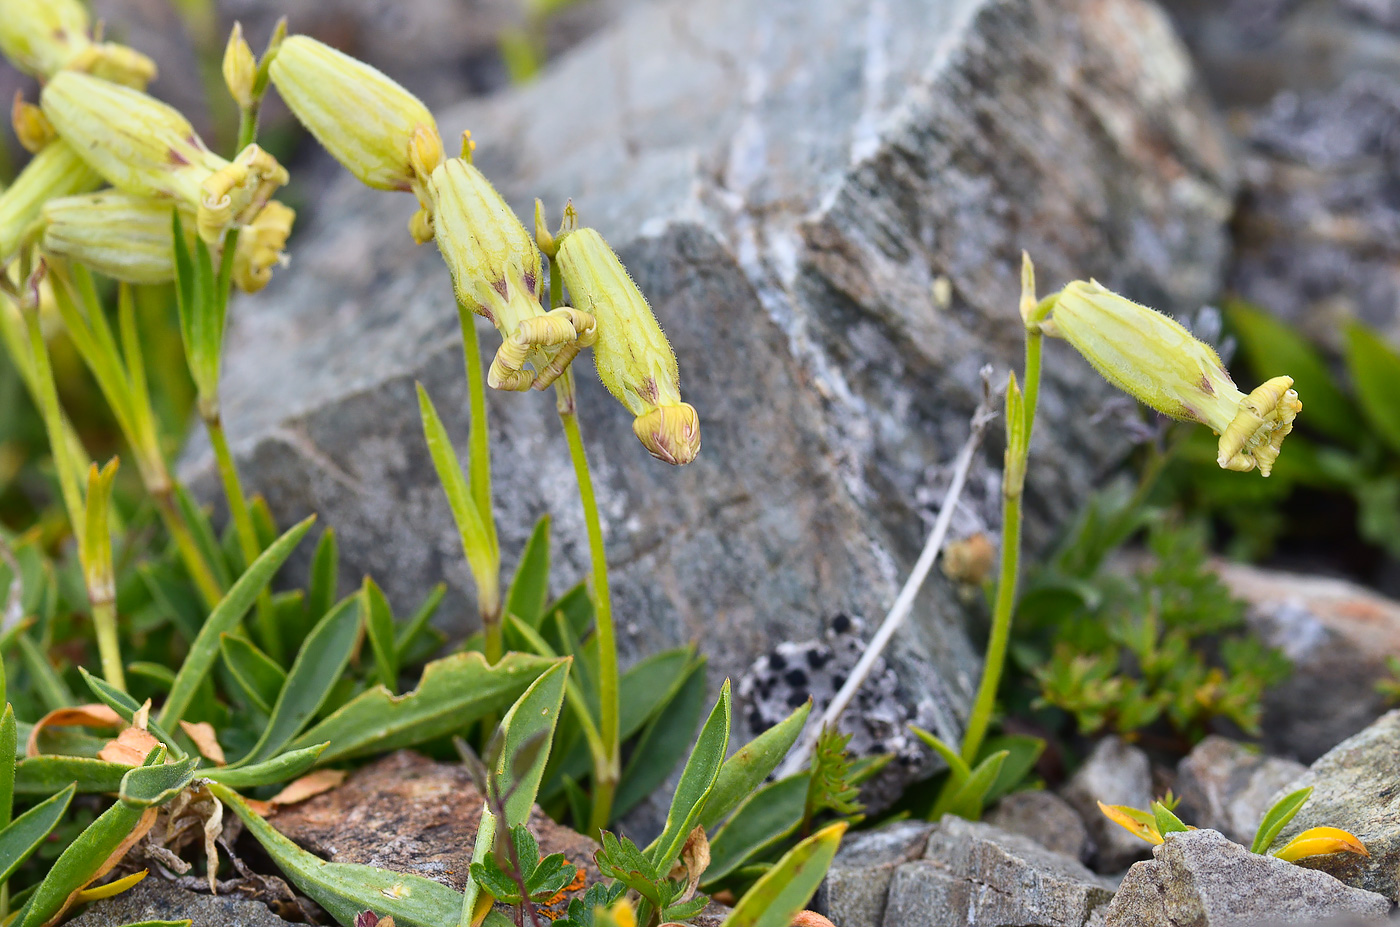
[225,618]
[453,693]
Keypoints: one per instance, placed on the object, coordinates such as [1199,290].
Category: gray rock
[1115,773]
[1356,787]
[1047,819]
[153,899]
[787,181]
[981,876]
[857,885]
[1314,92]
[1338,635]
[1227,786]
[1202,879]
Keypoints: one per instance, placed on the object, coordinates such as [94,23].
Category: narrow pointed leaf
[696,783]
[751,764]
[282,768]
[529,590]
[22,837]
[379,626]
[1277,818]
[257,674]
[1321,841]
[786,888]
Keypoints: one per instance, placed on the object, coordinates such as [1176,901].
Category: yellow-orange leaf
[205,741]
[81,716]
[115,887]
[1320,841]
[131,747]
[1138,823]
[308,786]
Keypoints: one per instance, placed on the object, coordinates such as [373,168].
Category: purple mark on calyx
[1205,385]
[501,286]
[530,282]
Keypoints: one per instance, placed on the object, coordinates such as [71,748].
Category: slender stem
[605,780]
[248,125]
[104,621]
[243,527]
[199,570]
[1005,604]
[479,469]
[53,423]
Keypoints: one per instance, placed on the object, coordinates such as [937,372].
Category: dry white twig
[981,417]
[14,600]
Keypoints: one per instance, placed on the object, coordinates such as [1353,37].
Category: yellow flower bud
[55,171]
[633,357]
[127,237]
[142,146]
[43,37]
[495,267]
[31,127]
[240,68]
[136,142]
[122,235]
[378,130]
[1159,362]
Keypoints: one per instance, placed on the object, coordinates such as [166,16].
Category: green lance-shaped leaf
[126,706]
[45,775]
[319,665]
[225,618]
[325,577]
[529,590]
[22,837]
[453,693]
[257,674]
[970,798]
[1277,819]
[786,888]
[767,817]
[407,636]
[379,627]
[347,889]
[1375,371]
[752,763]
[1167,823]
[9,749]
[525,733]
[280,768]
[665,740]
[697,781]
[481,554]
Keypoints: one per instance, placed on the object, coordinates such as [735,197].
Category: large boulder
[1202,879]
[826,204]
[1355,788]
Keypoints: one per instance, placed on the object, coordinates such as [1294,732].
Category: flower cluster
[384,136]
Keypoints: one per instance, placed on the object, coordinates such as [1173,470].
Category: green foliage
[828,785]
[1163,642]
[523,873]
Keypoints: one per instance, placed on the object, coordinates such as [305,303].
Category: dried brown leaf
[81,716]
[205,741]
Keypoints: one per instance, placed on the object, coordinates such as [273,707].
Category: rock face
[1357,787]
[825,203]
[1225,786]
[1116,773]
[1047,819]
[1202,879]
[154,899]
[1313,88]
[409,814]
[1338,635]
[857,885]
[981,876]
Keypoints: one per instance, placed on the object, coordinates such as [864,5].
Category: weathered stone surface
[1202,879]
[1226,786]
[1338,635]
[787,181]
[154,899]
[981,876]
[410,814]
[1047,819]
[1115,773]
[857,885]
[1313,88]
[1356,787]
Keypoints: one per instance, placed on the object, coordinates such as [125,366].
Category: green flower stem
[1005,603]
[190,555]
[243,527]
[52,413]
[479,474]
[104,622]
[606,774]
[604,780]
